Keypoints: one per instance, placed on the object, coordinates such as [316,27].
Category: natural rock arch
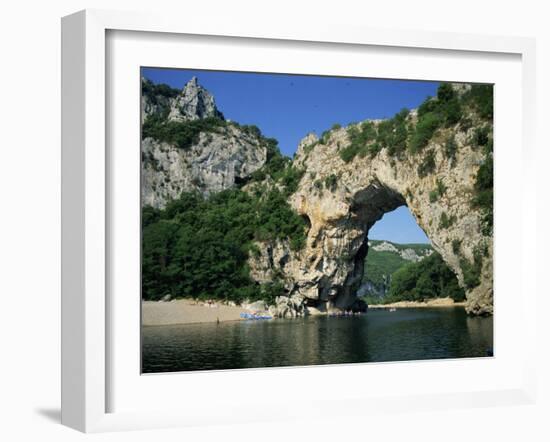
[350,179]
[325,274]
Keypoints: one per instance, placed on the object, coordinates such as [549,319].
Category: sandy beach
[437,302]
[187,311]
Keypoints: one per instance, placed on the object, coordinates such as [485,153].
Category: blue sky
[398,226]
[287,107]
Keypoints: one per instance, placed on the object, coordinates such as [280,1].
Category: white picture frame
[86,203]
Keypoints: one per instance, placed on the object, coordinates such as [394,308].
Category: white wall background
[30,216]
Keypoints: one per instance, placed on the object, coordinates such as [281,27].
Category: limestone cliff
[350,179]
[218,155]
[383,260]
[193,102]
[341,200]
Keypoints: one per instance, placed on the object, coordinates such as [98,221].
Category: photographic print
[295,220]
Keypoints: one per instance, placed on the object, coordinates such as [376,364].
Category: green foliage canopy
[199,247]
[429,278]
[181,133]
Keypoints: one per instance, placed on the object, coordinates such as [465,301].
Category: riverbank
[402,335]
[436,302]
[187,311]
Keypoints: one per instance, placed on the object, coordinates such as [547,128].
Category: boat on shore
[255,316]
[345,313]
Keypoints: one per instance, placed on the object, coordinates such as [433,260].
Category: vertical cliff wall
[343,194]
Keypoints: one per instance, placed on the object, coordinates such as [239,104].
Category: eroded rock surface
[327,272]
[217,160]
[339,201]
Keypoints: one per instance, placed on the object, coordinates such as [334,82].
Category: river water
[379,335]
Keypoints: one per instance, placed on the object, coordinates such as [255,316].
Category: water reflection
[410,334]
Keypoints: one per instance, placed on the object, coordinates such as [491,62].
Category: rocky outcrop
[328,271]
[408,254]
[193,102]
[217,160]
[338,200]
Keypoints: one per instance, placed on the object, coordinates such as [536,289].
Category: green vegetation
[456,246]
[450,149]
[278,167]
[359,137]
[275,163]
[427,165]
[325,136]
[368,138]
[465,124]
[392,133]
[425,128]
[449,106]
[441,188]
[186,133]
[198,247]
[444,111]
[397,134]
[446,221]
[290,178]
[331,182]
[429,278]
[181,133]
[156,92]
[348,153]
[448,110]
[404,280]
[380,265]
[472,271]
[481,95]
[309,147]
[438,192]
[483,187]
[481,136]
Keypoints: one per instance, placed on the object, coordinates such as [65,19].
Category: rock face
[407,254]
[217,160]
[193,102]
[339,201]
[328,271]
[383,260]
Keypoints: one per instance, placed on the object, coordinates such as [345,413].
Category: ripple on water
[378,336]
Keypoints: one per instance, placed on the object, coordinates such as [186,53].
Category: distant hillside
[227,216]
[188,146]
[383,259]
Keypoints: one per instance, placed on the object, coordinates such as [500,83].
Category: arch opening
[394,242]
[367,207]
[396,260]
[384,240]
